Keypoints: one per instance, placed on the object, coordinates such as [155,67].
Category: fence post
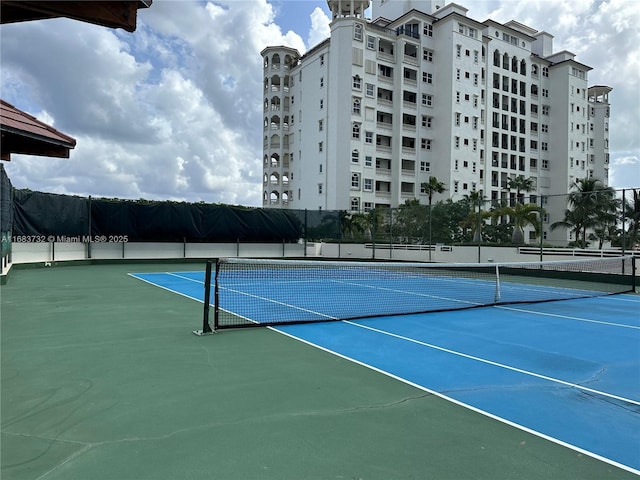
[624,214]
[89,243]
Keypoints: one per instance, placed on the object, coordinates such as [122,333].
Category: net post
[216,299]
[496,297]
[206,328]
[633,274]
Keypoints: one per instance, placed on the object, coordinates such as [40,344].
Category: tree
[432,186]
[631,216]
[521,184]
[474,220]
[353,225]
[520,215]
[590,204]
[409,221]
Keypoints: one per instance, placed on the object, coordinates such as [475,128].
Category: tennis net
[259,292]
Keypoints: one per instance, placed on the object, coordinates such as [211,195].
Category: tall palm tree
[521,216]
[521,184]
[475,198]
[432,186]
[590,203]
[631,215]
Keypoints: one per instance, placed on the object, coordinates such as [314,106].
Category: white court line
[464,405]
[164,288]
[567,317]
[269,300]
[497,364]
[183,277]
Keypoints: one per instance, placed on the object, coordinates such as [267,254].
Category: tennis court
[567,370]
[102,379]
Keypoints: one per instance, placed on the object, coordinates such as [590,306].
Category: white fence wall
[69,251]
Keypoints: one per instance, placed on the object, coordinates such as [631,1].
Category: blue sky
[173,110]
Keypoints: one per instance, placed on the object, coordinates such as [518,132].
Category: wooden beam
[112,14]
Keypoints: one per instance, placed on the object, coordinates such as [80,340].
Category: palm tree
[432,186]
[521,215]
[521,184]
[590,204]
[631,214]
[474,220]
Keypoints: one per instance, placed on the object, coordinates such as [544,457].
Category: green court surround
[102,379]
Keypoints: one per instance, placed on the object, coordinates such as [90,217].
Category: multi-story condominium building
[368,115]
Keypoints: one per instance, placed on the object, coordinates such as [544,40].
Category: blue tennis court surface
[568,371]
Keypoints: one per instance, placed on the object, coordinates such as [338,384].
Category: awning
[25,134]
[112,14]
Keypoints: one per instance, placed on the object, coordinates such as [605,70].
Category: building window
[427,77]
[458,51]
[321,59]
[355,181]
[355,132]
[544,164]
[368,137]
[320,146]
[425,166]
[368,185]
[357,82]
[368,161]
[321,104]
[371,42]
[427,100]
[355,156]
[356,106]
[319,189]
[427,121]
[370,89]
[357,32]
[427,30]
[425,143]
[427,55]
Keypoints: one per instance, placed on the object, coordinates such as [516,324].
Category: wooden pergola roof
[112,14]
[23,133]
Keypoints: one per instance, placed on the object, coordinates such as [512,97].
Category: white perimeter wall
[70,251]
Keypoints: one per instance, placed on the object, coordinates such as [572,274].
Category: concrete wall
[25,253]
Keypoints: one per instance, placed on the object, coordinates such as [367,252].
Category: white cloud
[171,111]
[174,110]
[320,29]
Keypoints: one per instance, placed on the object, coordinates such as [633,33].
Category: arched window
[355,181]
[505,61]
[514,64]
[357,31]
[496,58]
[523,67]
[356,106]
[355,156]
[355,132]
[275,62]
